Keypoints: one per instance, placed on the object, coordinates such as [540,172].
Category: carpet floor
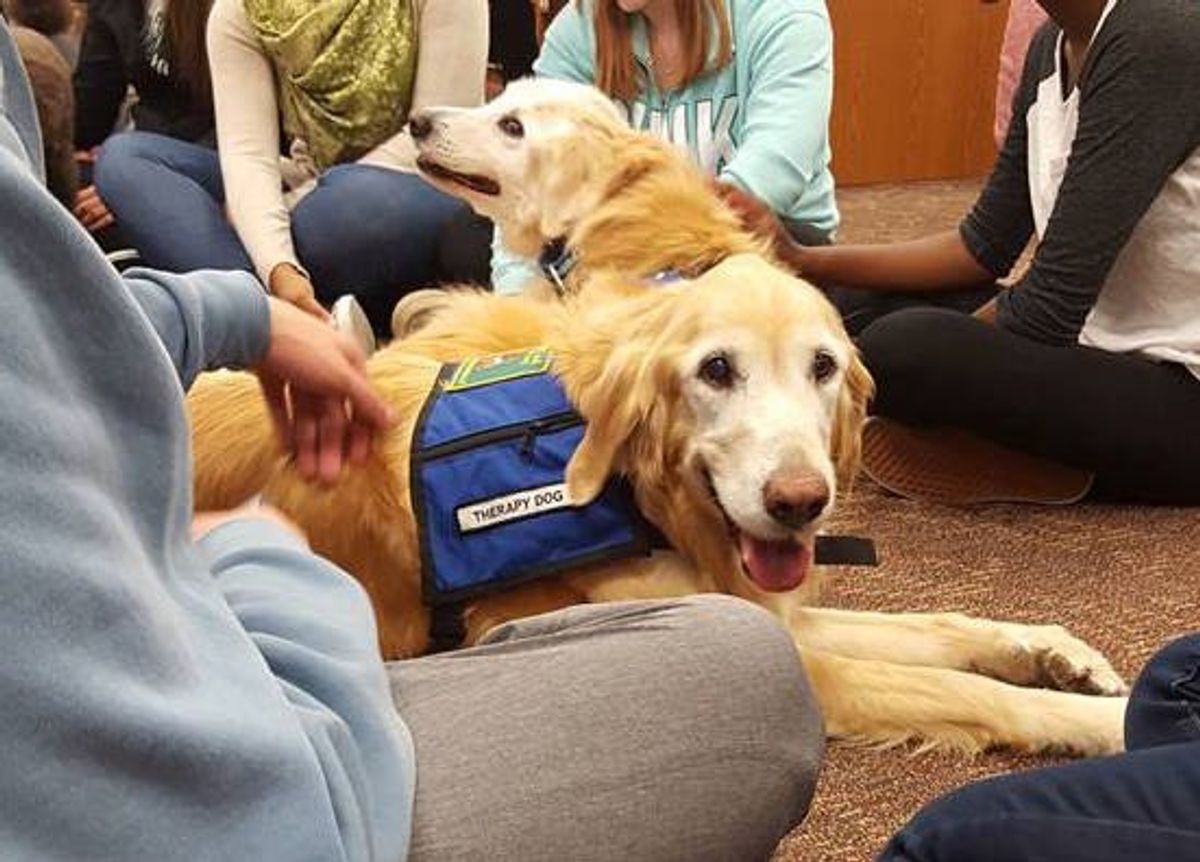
[1126,579]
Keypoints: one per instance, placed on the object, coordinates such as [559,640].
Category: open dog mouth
[773,565]
[475,182]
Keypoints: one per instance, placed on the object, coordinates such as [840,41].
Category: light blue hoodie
[159,700]
[762,122]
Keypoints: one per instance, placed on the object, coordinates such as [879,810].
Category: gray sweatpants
[637,731]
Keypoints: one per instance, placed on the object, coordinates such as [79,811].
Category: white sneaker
[350,319]
[124,258]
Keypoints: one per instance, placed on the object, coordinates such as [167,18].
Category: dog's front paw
[1057,659]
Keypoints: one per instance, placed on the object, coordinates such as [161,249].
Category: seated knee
[744,641]
[963,824]
[1170,667]
[905,341]
[1167,690]
[723,617]
[744,666]
[119,154]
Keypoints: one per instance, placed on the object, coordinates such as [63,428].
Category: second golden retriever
[555,166]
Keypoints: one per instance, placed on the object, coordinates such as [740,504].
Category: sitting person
[170,699]
[512,39]
[1137,806]
[358,219]
[157,50]
[50,78]
[745,86]
[54,19]
[1083,377]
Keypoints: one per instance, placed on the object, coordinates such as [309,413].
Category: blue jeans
[1142,805]
[364,230]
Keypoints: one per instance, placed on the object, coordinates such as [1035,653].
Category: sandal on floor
[955,468]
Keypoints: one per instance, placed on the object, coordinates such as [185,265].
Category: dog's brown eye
[717,371]
[512,127]
[824,366]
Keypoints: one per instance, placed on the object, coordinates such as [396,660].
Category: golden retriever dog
[732,404]
[554,163]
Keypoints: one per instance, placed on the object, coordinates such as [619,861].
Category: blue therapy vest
[489,455]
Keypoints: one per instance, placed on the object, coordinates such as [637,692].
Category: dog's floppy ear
[613,372]
[561,182]
[614,405]
[853,400]
[576,173]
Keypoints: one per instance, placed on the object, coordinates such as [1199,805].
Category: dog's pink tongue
[774,566]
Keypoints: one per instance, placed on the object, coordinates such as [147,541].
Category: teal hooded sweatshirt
[761,122]
[159,700]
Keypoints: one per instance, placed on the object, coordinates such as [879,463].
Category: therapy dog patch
[512,507]
[498,368]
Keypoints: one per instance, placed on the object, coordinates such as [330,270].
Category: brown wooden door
[915,85]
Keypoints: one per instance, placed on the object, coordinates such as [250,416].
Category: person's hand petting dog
[291,285]
[760,220]
[315,382]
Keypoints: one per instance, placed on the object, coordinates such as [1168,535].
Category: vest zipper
[518,430]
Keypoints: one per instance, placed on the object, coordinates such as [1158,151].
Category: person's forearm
[247,114]
[939,262]
[205,320]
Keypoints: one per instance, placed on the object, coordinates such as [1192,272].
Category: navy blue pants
[364,230]
[1142,806]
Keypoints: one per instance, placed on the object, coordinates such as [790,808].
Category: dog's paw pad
[1066,663]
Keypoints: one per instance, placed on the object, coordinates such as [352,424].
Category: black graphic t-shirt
[124,46]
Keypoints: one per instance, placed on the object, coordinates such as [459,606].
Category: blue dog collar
[556,262]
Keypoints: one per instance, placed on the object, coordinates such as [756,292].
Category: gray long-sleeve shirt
[159,700]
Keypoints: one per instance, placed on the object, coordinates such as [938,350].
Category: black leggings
[861,308]
[1134,423]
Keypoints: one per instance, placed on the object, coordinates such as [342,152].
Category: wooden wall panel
[915,85]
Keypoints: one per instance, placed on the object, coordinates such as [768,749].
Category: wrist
[808,261]
[280,273]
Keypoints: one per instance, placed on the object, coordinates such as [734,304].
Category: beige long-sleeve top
[452,37]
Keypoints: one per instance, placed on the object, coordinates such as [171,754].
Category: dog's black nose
[797,500]
[419,126]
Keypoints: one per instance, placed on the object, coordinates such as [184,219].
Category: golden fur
[621,353]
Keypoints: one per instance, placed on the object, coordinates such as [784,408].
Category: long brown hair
[184,24]
[616,70]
